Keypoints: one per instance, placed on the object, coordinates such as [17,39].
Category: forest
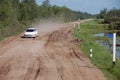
[16,15]
[111,17]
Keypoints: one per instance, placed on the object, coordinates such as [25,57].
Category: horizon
[92,7]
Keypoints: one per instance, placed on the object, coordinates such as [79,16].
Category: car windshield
[30,30]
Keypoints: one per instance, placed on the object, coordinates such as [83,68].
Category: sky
[90,6]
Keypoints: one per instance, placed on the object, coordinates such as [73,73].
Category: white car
[31,33]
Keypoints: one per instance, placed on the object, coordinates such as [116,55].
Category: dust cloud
[46,26]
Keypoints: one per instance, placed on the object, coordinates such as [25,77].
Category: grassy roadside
[101,57]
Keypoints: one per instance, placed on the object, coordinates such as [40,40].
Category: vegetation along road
[53,55]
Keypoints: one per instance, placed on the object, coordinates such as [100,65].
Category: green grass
[101,56]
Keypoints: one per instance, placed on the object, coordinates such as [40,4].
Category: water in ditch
[108,43]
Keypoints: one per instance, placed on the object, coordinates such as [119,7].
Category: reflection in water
[107,43]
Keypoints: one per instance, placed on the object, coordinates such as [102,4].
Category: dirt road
[53,55]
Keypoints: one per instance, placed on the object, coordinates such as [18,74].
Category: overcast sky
[90,6]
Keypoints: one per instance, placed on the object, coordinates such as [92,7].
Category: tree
[28,10]
[112,17]
[46,3]
[15,15]
[103,13]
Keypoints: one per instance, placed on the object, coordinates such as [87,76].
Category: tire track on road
[53,55]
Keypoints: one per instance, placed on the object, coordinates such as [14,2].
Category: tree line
[111,17]
[15,15]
